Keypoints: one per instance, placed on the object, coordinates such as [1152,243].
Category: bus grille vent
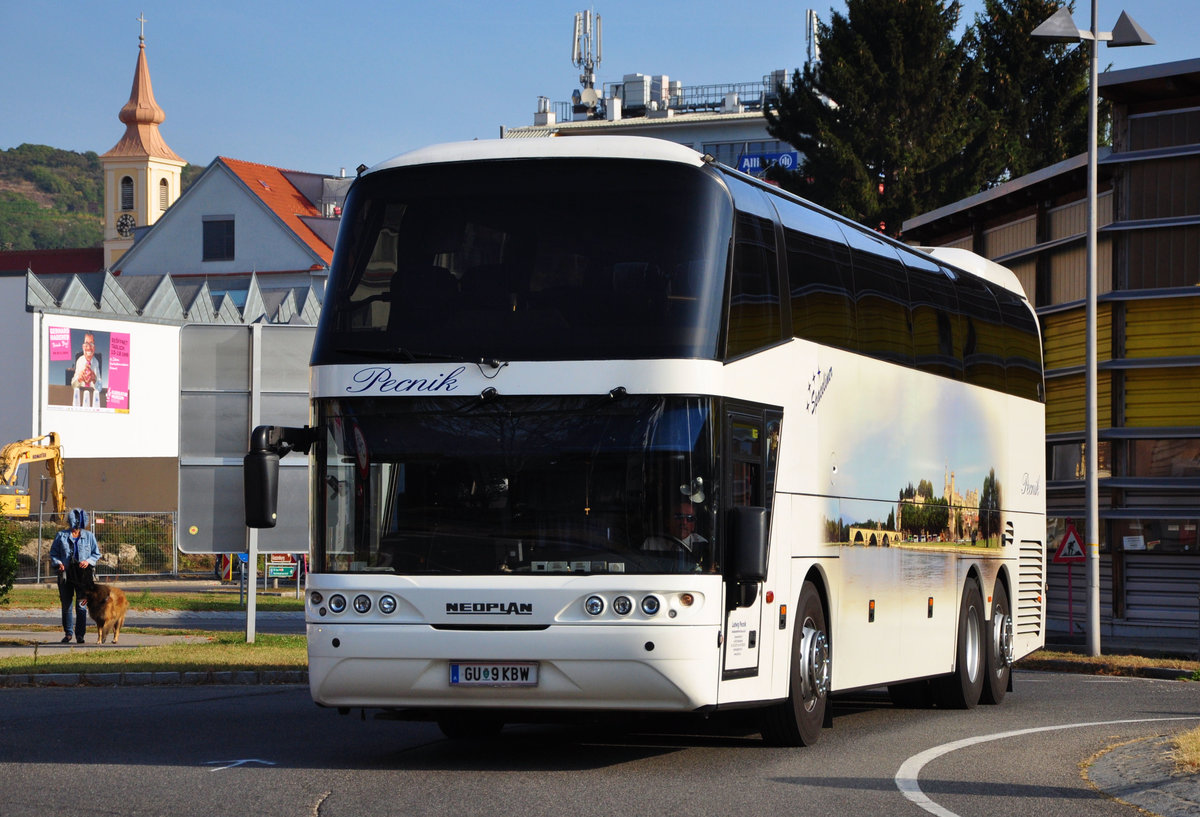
[1031,583]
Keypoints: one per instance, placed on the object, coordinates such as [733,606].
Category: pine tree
[1036,89]
[889,123]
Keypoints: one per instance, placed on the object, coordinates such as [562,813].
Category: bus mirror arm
[260,469]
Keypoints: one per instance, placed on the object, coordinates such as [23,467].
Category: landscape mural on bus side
[920,471]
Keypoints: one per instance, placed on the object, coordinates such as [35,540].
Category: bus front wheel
[999,648]
[797,720]
[961,689]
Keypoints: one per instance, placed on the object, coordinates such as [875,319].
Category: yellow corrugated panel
[1064,332]
[1065,398]
[1162,397]
[1162,328]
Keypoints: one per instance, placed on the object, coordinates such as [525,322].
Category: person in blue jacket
[74,554]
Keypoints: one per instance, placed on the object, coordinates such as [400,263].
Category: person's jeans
[71,584]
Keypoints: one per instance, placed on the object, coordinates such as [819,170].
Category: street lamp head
[1060,28]
[1127,32]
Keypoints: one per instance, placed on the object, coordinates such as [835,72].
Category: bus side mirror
[260,469]
[260,474]
[749,527]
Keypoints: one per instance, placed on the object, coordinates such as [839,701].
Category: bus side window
[937,337]
[881,299]
[755,320]
[1023,360]
[983,344]
[820,282]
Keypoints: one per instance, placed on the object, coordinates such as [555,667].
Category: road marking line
[910,770]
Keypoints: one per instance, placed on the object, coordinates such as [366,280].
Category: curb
[108,679]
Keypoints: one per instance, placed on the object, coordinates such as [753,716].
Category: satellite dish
[590,96]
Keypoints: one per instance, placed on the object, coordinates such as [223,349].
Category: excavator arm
[14,500]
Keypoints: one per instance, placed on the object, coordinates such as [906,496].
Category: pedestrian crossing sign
[1071,549]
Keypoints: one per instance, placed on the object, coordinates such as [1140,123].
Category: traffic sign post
[1070,551]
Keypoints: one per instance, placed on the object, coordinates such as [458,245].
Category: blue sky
[320,86]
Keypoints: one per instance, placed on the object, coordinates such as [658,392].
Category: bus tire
[961,689]
[999,648]
[798,719]
[470,725]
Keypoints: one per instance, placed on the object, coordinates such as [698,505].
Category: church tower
[142,176]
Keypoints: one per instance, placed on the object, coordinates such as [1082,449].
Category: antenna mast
[585,48]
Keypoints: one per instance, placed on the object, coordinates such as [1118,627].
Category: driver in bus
[681,534]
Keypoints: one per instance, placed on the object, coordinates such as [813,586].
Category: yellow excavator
[15,500]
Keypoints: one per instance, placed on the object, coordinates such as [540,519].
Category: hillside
[50,199]
[53,199]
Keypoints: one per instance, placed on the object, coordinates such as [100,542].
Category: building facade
[725,121]
[1148,338]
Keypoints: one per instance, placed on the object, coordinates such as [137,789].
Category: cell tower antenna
[814,43]
[586,47]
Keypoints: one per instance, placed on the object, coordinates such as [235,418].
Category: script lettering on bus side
[379,380]
[1030,488]
[816,389]
[488,608]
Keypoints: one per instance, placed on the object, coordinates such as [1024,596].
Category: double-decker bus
[601,425]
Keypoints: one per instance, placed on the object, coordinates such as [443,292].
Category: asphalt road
[269,751]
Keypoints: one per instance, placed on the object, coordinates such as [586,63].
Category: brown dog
[107,605]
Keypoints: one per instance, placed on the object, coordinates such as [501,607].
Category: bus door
[751,443]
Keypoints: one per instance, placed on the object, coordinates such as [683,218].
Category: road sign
[1071,549]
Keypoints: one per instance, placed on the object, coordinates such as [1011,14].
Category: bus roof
[572,147]
[982,267]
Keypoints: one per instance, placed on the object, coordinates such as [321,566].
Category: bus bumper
[585,667]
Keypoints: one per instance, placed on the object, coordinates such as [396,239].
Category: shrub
[11,538]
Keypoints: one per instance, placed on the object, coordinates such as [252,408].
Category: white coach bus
[601,425]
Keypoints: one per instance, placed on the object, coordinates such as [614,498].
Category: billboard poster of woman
[89,370]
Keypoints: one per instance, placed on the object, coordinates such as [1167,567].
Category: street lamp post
[1060,27]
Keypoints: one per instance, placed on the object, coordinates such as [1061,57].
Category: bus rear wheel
[999,648]
[798,720]
[961,689]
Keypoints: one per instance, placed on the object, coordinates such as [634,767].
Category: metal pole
[1092,498]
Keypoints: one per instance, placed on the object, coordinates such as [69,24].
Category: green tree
[1036,90]
[889,124]
[989,507]
[10,545]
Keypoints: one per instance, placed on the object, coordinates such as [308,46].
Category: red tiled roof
[270,185]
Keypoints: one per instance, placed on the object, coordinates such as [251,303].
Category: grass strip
[219,600]
[219,652]
[1186,751]
[1125,665]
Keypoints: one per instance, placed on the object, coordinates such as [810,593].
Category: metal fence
[131,544]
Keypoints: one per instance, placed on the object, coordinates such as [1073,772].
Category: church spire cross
[141,18]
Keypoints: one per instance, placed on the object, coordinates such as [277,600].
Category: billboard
[88,370]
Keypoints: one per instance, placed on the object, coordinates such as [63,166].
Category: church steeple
[141,173]
[142,116]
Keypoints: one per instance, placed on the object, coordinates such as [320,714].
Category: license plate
[494,674]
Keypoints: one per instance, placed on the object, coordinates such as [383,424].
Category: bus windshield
[516,485]
[529,260]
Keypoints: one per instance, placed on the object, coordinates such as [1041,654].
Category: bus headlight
[387,605]
[337,603]
[651,605]
[315,597]
[594,605]
[362,603]
[622,605]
